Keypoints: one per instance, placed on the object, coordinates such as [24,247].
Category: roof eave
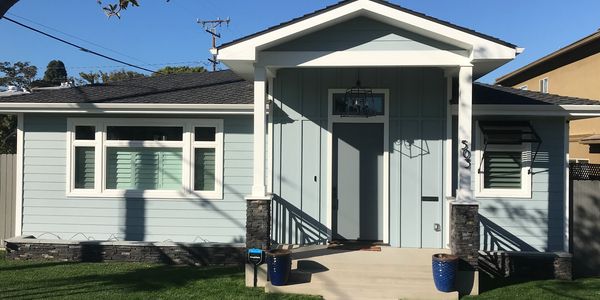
[246,49]
[125,108]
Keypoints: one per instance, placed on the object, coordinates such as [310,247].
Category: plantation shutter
[502,170]
[84,167]
[144,168]
[204,169]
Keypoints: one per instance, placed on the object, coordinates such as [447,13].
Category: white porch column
[465,125]
[259,189]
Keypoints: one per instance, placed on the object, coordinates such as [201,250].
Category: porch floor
[392,273]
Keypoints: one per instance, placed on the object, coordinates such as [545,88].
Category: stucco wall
[578,79]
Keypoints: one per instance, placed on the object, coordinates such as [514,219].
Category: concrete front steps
[392,273]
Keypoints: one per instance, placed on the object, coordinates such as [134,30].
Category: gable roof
[222,87]
[485,94]
[578,50]
[383,2]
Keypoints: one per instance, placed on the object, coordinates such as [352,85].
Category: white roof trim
[482,48]
[124,108]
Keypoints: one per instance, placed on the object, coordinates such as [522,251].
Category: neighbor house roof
[222,87]
[387,3]
[578,50]
[485,94]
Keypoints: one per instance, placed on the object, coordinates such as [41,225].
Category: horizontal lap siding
[49,213]
[534,224]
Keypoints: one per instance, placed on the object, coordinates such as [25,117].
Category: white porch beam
[361,58]
[259,188]
[464,194]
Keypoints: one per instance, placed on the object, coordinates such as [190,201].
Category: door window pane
[373,106]
[204,169]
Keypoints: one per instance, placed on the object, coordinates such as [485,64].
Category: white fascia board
[361,58]
[571,111]
[482,48]
[138,108]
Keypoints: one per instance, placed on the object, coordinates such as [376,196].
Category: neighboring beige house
[571,71]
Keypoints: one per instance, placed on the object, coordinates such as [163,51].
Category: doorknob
[437,227]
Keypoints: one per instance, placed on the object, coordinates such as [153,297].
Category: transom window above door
[374,105]
[164,158]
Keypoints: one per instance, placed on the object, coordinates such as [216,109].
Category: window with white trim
[145,158]
[524,88]
[504,170]
[544,85]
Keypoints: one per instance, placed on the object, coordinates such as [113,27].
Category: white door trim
[385,120]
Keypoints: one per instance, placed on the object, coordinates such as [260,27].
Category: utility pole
[211,26]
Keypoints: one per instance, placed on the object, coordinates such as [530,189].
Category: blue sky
[160,33]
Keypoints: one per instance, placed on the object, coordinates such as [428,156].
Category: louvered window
[144,168]
[502,170]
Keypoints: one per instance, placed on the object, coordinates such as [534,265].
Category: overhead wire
[78,38]
[78,46]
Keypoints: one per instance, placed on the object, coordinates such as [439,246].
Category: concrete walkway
[391,273]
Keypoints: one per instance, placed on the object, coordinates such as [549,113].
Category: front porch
[392,273]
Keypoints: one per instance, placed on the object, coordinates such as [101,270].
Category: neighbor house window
[504,168]
[153,158]
[544,85]
[524,87]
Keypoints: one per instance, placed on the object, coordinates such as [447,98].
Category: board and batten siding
[417,130]
[49,213]
[536,223]
[365,34]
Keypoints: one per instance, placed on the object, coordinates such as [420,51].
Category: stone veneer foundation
[199,254]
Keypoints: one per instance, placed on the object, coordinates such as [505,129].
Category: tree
[19,74]
[110,9]
[178,70]
[119,75]
[90,77]
[56,73]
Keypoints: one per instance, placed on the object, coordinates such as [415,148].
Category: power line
[156,64]
[78,47]
[78,38]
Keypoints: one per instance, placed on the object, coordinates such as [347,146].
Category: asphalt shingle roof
[225,87]
[222,87]
[495,94]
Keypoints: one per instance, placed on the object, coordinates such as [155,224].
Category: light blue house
[360,121]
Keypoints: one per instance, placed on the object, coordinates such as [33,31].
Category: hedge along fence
[8,174]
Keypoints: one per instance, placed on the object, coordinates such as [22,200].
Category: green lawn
[48,280]
[588,288]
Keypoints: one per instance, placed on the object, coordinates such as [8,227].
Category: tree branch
[5,5]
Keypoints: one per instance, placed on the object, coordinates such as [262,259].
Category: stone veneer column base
[464,243]
[258,234]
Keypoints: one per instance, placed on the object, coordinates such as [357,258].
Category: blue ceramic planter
[444,267]
[279,265]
